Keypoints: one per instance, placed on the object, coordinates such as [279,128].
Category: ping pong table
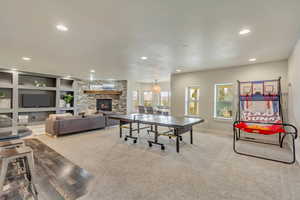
[177,125]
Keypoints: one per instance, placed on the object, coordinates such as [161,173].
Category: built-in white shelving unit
[14,85]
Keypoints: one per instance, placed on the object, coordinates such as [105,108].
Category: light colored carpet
[207,170]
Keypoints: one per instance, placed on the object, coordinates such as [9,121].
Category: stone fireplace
[93,101]
[104,104]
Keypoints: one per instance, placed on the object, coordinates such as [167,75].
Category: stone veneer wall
[88,101]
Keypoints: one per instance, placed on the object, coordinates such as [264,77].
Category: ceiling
[111,36]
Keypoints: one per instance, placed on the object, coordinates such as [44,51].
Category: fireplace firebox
[104,104]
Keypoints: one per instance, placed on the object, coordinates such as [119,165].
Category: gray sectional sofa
[57,125]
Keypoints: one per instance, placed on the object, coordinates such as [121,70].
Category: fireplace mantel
[104,92]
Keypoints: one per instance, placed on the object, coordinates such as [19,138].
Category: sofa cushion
[68,117]
[54,116]
[93,115]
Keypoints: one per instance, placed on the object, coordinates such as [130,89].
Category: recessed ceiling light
[14,69]
[144,58]
[92,71]
[252,59]
[61,27]
[244,31]
[178,70]
[26,58]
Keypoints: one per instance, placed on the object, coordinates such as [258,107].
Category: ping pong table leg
[130,128]
[177,139]
[120,129]
[191,133]
[156,134]
[130,134]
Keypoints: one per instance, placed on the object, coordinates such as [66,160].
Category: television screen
[36,100]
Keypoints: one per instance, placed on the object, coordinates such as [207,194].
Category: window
[192,101]
[164,98]
[135,99]
[223,101]
[147,98]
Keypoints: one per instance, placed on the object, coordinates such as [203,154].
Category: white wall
[131,85]
[206,81]
[294,90]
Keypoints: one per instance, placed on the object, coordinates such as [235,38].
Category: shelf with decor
[36,88]
[36,81]
[66,84]
[66,99]
[6,98]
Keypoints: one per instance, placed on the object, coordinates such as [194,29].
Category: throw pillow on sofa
[54,116]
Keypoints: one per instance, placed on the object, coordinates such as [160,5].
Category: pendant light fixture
[156,88]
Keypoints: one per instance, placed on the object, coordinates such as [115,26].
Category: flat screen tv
[36,100]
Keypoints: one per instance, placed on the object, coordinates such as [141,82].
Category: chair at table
[149,110]
[141,109]
[17,161]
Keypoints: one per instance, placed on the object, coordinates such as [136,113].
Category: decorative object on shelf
[39,84]
[68,99]
[5,103]
[23,119]
[62,103]
[156,88]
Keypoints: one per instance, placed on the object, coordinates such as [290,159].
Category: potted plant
[2,95]
[68,99]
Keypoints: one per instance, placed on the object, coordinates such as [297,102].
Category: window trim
[169,95]
[188,100]
[138,99]
[215,117]
[143,97]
